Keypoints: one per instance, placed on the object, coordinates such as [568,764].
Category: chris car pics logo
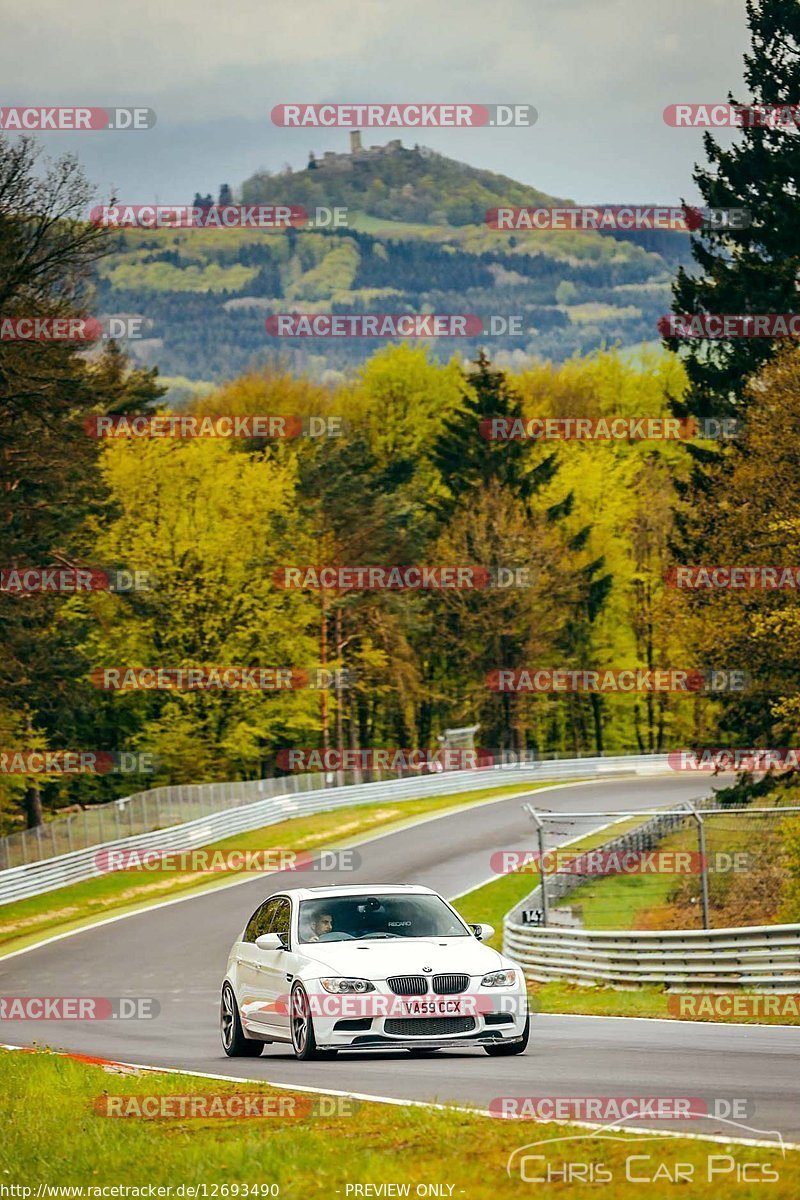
[578,1158]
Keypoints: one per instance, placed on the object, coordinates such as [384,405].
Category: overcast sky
[599,72]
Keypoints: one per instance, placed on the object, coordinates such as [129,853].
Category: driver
[321,924]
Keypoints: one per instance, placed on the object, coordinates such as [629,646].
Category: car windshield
[382,916]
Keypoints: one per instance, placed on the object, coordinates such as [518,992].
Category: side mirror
[270,941]
[481,931]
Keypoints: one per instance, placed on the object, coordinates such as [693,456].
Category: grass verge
[27,921]
[54,1136]
[751,895]
[493,900]
[562,997]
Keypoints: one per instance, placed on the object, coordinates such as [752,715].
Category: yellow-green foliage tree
[208,524]
[623,498]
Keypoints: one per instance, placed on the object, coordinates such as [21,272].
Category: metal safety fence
[699,865]
[624,909]
[159,818]
[764,957]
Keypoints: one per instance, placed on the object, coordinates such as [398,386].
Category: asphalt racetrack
[177,954]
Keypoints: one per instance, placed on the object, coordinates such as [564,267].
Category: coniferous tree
[755,269]
[466,458]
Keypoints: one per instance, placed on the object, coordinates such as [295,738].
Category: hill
[415,241]
[395,183]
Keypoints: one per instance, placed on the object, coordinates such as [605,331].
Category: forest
[387,464]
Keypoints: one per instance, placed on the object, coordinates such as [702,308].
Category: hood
[378,959]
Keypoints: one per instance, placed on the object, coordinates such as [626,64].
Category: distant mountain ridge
[416,240]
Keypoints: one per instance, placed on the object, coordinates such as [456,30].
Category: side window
[250,930]
[260,921]
[281,919]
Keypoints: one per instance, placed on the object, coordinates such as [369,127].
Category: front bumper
[502,1018]
[381,1042]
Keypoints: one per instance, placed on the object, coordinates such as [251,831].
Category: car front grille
[408,985]
[422,1026]
[449,985]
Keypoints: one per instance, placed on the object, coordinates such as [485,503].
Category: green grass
[626,901]
[618,901]
[53,1135]
[562,997]
[384,227]
[163,277]
[493,900]
[28,921]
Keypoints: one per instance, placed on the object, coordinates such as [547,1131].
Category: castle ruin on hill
[359,154]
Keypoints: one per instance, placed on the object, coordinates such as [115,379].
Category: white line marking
[673,1020]
[396,1100]
[195,893]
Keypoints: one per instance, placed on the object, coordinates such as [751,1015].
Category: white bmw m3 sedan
[369,968]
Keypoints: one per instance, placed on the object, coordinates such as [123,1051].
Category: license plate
[433,1008]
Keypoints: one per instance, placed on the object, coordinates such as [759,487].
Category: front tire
[304,1042]
[234,1043]
[503,1049]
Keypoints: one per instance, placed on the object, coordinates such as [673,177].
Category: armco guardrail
[30,879]
[760,956]
[177,804]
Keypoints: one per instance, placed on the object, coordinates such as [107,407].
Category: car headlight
[499,979]
[347,985]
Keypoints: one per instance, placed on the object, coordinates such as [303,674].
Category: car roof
[333,890]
